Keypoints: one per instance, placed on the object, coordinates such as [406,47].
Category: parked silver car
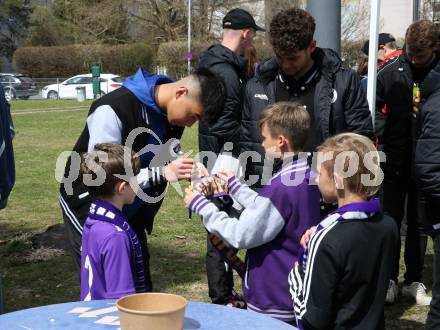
[17,86]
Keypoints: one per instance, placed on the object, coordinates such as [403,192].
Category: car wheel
[9,95]
[52,95]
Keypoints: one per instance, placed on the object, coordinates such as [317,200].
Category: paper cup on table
[158,311]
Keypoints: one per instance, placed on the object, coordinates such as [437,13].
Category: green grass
[26,105]
[177,244]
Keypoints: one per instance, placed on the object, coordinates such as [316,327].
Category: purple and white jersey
[270,228]
[106,262]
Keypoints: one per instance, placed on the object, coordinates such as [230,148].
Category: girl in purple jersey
[111,258]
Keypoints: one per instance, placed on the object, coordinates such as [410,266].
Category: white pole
[189,37]
[372,56]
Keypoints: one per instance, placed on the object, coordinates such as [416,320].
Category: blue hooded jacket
[7,166]
[143,85]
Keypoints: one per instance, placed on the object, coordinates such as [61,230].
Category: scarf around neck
[107,212]
[358,210]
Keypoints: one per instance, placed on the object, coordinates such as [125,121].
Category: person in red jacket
[387,49]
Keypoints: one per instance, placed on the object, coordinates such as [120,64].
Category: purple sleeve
[308,208]
[116,255]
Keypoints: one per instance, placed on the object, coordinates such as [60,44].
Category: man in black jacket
[306,74]
[148,114]
[227,62]
[422,48]
[398,87]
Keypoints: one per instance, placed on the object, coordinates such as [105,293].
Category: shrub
[172,55]
[63,61]
[350,52]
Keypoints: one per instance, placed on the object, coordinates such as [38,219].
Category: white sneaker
[417,291]
[391,292]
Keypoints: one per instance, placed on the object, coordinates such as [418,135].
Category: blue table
[102,314]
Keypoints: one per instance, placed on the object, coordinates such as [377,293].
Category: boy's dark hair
[289,119]
[291,30]
[212,94]
[108,160]
[422,35]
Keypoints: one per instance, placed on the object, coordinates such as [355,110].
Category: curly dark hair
[421,35]
[291,30]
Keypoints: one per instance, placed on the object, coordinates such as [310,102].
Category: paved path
[45,110]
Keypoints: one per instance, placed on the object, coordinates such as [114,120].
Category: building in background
[396,16]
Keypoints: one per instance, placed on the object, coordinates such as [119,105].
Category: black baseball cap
[384,38]
[238,19]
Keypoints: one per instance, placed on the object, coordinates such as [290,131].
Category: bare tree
[430,9]
[272,7]
[164,19]
[355,18]
[94,21]
[14,20]
[167,19]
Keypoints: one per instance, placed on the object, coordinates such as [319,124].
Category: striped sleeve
[313,292]
[241,192]
[150,176]
[258,224]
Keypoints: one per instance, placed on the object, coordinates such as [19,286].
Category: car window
[73,81]
[26,79]
[8,79]
[86,80]
[102,80]
[118,79]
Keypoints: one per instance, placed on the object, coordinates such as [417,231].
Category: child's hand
[306,237]
[178,169]
[199,171]
[189,196]
[226,175]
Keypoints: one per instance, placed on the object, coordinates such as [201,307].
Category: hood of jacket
[327,60]
[432,81]
[218,54]
[143,85]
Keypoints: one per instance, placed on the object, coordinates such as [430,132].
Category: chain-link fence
[21,87]
[41,82]
[62,87]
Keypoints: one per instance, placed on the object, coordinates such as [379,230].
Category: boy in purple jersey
[275,218]
[111,258]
